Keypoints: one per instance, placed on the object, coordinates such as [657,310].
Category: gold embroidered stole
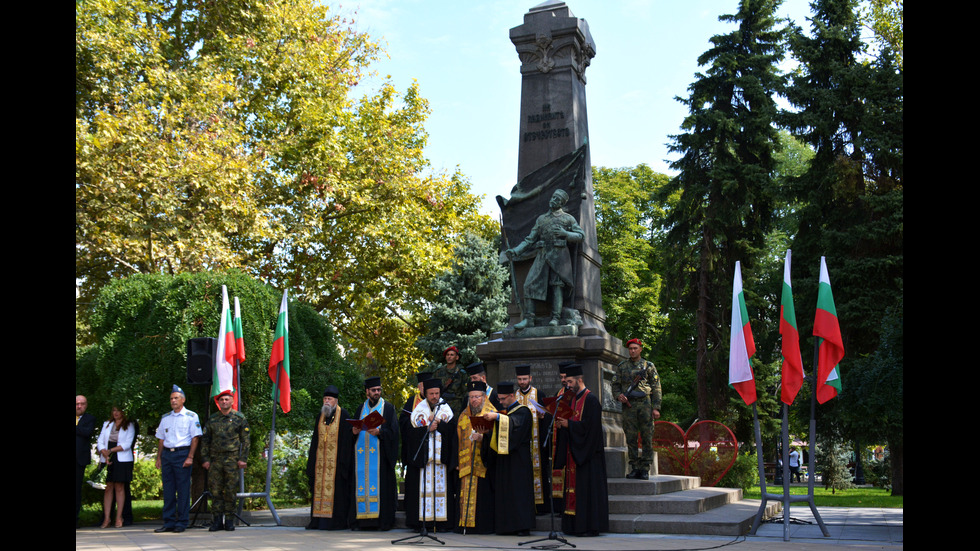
[578,404]
[557,475]
[471,466]
[525,399]
[326,466]
[500,442]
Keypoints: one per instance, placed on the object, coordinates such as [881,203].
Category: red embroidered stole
[578,404]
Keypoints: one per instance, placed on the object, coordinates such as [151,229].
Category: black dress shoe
[164,529]
[178,529]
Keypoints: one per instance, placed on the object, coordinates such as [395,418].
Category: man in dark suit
[84,427]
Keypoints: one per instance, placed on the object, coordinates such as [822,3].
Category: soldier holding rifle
[637,386]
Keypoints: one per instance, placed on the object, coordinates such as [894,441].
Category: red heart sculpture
[707,450]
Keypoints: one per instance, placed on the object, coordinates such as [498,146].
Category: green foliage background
[142,324]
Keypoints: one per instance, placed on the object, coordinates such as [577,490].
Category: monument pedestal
[598,352]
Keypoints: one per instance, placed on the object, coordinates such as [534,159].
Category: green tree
[628,220]
[849,109]
[726,207]
[470,301]
[229,134]
[875,392]
[851,198]
[887,20]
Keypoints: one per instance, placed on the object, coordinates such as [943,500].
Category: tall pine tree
[725,181]
[849,108]
[470,301]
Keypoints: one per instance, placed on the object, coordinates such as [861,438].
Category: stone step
[734,519]
[658,484]
[685,502]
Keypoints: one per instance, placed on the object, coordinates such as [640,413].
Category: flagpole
[272,444]
[813,441]
[762,470]
[786,479]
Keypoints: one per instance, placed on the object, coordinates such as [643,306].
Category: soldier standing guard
[224,450]
[454,379]
[637,386]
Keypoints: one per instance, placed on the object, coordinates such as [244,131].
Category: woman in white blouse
[115,448]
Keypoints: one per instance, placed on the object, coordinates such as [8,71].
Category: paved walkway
[851,528]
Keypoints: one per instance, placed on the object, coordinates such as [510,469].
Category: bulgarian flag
[224,358]
[279,361]
[830,344]
[792,361]
[239,335]
[742,345]
[239,351]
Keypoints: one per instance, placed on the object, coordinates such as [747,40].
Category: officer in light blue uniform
[177,440]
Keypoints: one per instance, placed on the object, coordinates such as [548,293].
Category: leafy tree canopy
[229,134]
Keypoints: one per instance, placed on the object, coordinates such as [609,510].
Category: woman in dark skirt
[115,448]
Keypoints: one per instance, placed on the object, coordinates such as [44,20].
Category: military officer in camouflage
[224,450]
[636,385]
[454,379]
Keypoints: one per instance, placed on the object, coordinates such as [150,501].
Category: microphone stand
[424,532]
[553,535]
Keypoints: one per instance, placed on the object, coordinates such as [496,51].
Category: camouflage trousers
[638,422]
[223,483]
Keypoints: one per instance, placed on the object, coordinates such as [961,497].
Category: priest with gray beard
[330,467]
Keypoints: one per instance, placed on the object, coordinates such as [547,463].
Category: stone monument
[554,48]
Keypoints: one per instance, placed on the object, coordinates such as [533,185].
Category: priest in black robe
[581,452]
[330,467]
[375,488]
[476,502]
[478,372]
[513,476]
[411,475]
[431,441]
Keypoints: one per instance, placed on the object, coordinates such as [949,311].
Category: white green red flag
[830,347]
[239,335]
[222,378]
[279,360]
[742,345]
[239,352]
[792,360]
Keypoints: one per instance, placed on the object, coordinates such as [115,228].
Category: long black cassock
[476,503]
[434,467]
[330,472]
[581,451]
[387,450]
[513,475]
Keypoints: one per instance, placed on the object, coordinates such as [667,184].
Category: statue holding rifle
[551,275]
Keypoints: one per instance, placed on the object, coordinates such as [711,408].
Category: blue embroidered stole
[368,456]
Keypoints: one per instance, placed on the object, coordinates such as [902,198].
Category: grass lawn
[142,510]
[855,497]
